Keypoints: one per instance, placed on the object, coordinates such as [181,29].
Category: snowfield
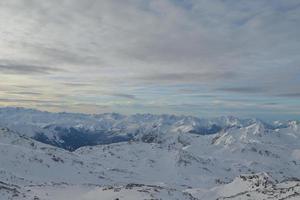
[61,156]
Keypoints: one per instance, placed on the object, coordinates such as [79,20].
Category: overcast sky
[195,57]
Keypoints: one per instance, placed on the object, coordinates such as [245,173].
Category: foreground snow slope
[251,187]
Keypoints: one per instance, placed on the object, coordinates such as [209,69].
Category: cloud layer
[152,56]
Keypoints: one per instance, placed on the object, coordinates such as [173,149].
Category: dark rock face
[72,138]
[207,130]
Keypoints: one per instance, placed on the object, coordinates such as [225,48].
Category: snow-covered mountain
[71,131]
[145,157]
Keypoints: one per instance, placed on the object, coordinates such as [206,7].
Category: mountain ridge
[67,130]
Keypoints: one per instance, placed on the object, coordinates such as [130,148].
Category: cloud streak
[250,90]
[21,69]
[11,100]
[126,96]
[291,95]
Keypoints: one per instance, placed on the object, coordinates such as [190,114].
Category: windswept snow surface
[157,157]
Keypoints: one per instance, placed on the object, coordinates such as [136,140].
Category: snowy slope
[25,161]
[202,160]
[251,187]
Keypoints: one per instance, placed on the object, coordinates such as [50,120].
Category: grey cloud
[82,56]
[260,90]
[203,38]
[26,93]
[78,84]
[291,95]
[271,104]
[15,68]
[126,96]
[242,89]
[91,105]
[11,100]
[186,77]
[196,92]
[187,90]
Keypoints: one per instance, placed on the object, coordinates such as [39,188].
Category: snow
[165,160]
[296,154]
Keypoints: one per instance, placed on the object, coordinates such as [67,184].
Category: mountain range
[110,156]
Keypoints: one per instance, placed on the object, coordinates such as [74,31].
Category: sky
[204,58]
